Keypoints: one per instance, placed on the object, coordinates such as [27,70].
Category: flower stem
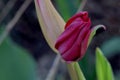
[75,71]
[72,71]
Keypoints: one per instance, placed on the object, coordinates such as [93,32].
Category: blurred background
[24,53]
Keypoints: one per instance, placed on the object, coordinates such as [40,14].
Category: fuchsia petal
[76,47]
[68,32]
[72,43]
[68,41]
[77,16]
[84,44]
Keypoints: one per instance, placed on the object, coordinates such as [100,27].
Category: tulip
[73,42]
[52,25]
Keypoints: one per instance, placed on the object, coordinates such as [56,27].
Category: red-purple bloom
[73,42]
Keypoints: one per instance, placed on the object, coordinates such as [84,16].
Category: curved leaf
[52,24]
[93,32]
[103,68]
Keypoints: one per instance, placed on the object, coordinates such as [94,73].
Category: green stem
[75,71]
[79,71]
[72,71]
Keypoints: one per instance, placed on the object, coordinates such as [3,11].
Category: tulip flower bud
[73,42]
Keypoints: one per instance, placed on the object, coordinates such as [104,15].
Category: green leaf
[15,63]
[79,71]
[103,68]
[89,71]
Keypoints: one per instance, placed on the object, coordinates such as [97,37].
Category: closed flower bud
[73,42]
